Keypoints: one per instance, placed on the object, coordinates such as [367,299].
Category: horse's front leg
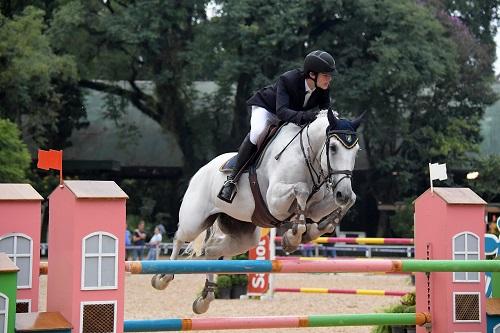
[284,195]
[326,225]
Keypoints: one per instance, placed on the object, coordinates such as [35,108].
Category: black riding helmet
[319,62]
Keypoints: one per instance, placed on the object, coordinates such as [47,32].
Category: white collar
[308,90]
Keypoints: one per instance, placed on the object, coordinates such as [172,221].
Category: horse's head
[341,149]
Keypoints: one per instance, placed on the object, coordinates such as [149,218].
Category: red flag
[51,159]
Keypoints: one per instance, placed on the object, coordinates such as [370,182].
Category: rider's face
[324,80]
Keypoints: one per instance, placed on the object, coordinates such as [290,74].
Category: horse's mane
[322,113]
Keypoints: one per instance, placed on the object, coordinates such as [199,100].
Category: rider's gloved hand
[308,116]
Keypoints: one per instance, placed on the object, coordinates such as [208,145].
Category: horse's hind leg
[161,281]
[202,303]
[225,242]
[232,237]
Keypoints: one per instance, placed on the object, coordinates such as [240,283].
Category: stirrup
[228,183]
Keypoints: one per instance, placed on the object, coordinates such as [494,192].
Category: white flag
[437,171]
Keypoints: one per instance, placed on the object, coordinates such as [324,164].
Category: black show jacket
[285,97]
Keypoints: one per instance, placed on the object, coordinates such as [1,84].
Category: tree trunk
[241,120]
[174,109]
[383,221]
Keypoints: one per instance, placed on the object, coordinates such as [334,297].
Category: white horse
[310,179]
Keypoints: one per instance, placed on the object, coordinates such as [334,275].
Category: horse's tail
[195,248]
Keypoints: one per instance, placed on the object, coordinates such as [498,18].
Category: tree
[488,181]
[423,80]
[14,156]
[250,43]
[419,70]
[37,87]
[132,41]
[479,16]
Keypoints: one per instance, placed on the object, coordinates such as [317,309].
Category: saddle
[271,132]
[261,215]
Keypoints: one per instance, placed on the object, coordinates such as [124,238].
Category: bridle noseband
[348,138]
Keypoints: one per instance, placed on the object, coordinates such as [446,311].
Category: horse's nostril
[341,198]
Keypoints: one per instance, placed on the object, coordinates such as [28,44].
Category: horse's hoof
[327,222]
[288,246]
[298,229]
[312,233]
[201,305]
[330,228]
[161,281]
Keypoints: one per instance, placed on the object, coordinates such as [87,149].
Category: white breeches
[259,120]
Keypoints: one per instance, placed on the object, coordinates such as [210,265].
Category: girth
[261,215]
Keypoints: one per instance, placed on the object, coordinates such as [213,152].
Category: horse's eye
[333,149]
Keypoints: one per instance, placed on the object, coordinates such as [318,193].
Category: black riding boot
[245,151]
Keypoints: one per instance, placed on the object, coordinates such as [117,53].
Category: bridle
[321,177]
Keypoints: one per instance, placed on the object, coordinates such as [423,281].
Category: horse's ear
[356,122]
[332,120]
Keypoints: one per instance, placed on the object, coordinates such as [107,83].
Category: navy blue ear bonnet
[343,129]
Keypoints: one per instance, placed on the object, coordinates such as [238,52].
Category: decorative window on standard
[19,248]
[466,247]
[99,262]
[4,307]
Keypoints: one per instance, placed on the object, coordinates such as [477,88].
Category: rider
[292,98]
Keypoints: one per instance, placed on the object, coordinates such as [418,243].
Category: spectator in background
[154,244]
[492,226]
[307,250]
[128,243]
[330,250]
[138,241]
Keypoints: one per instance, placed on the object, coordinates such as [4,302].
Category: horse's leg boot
[245,152]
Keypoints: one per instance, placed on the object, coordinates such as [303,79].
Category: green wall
[8,287]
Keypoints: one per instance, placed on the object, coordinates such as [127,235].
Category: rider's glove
[308,116]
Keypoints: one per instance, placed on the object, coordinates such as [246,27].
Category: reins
[319,178]
[277,157]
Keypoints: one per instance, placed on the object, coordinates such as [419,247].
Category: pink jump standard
[87,251]
[449,224]
[20,224]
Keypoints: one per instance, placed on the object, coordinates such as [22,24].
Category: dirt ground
[144,302]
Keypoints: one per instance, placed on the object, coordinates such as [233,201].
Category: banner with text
[258,283]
